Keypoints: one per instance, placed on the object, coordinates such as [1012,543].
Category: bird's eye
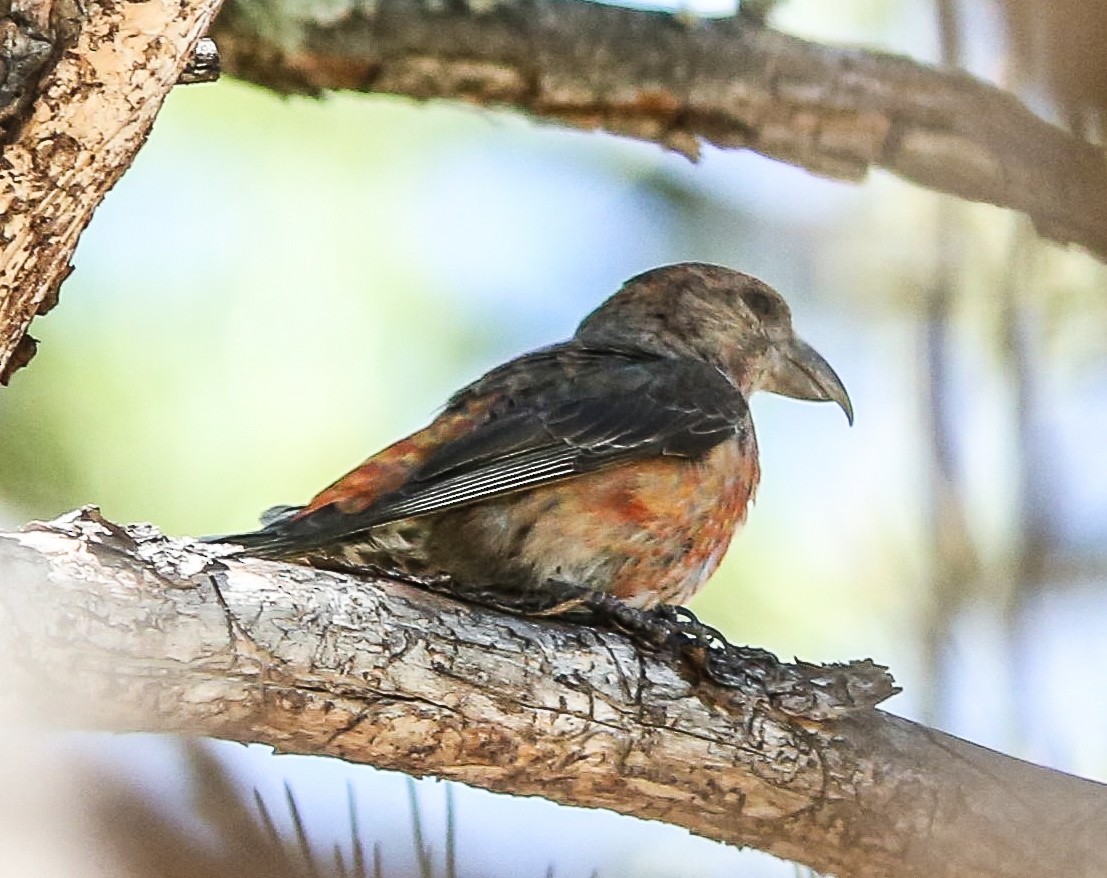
[761,304]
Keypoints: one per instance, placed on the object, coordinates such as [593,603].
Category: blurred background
[279,287]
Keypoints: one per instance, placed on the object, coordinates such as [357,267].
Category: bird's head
[731,320]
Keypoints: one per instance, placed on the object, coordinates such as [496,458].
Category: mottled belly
[651,532]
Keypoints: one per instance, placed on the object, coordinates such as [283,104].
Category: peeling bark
[75,131]
[668,79]
[32,34]
[120,628]
[678,81]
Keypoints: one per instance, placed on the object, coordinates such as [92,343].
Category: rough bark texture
[73,130]
[109,627]
[678,81]
[32,33]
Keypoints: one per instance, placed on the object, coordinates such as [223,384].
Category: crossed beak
[797,370]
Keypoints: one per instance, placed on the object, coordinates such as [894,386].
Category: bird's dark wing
[581,414]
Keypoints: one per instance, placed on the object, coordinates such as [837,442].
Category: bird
[621,461]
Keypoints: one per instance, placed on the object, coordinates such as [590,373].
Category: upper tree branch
[676,81]
[107,627]
[74,133]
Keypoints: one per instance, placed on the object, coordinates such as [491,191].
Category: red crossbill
[620,461]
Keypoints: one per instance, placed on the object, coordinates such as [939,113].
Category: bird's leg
[669,629]
[556,598]
[665,628]
[573,603]
[677,632]
[642,626]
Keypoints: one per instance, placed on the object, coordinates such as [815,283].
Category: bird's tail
[272,540]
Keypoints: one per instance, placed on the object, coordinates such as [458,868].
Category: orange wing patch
[390,468]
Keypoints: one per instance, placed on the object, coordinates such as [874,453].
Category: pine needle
[451,833]
[301,834]
[422,851]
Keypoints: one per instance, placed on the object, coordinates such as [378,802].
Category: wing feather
[605,416]
[585,411]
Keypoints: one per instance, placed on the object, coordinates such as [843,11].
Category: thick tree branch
[109,627]
[90,114]
[676,81]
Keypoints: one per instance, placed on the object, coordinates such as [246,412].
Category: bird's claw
[665,629]
[700,645]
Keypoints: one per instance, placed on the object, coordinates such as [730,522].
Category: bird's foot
[556,599]
[706,649]
[676,631]
[665,629]
[662,629]
[575,603]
